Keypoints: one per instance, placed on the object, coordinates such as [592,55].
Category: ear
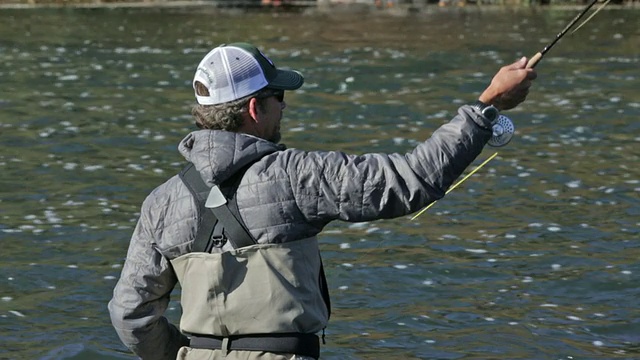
[254,109]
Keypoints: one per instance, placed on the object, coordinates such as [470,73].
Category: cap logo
[265,56]
[206,72]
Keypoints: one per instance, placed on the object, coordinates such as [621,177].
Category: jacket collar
[219,154]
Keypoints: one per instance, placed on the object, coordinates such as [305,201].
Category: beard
[275,137]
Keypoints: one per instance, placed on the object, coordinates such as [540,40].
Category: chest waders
[253,297]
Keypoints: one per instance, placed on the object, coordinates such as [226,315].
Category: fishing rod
[538,56]
[503,129]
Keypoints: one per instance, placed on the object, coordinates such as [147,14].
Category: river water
[536,256]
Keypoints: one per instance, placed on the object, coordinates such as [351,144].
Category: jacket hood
[217,154]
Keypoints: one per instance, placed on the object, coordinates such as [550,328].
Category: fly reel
[503,130]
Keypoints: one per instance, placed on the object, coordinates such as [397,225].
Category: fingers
[532,74]
[519,64]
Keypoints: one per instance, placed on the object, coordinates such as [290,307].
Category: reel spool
[503,130]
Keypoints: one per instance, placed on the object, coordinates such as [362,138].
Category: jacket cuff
[477,117]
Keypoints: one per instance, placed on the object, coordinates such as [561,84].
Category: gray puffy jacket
[286,195]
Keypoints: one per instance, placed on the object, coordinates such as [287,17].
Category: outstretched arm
[374,186]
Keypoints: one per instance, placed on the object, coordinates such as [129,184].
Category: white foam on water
[359,225]
[140,50]
[549,305]
[552,192]
[51,216]
[400,266]
[136,167]
[47,132]
[93,167]
[573,184]
[69,166]
[345,246]
[16,313]
[476,251]
[70,77]
[332,231]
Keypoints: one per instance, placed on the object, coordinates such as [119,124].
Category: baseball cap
[233,71]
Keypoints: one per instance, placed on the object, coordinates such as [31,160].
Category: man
[261,295]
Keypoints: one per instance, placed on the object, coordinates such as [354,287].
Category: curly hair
[227,116]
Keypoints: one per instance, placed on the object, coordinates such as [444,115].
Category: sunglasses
[279,94]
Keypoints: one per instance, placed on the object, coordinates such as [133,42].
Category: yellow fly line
[456,184]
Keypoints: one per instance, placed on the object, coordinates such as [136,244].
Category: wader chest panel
[254,288]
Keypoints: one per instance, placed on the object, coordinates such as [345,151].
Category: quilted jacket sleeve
[141,296]
[334,185]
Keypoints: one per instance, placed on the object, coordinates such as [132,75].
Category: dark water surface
[535,257]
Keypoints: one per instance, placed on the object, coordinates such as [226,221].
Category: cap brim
[287,80]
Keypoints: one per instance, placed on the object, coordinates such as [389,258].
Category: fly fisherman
[237,227]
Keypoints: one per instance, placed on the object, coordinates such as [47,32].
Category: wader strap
[298,344]
[228,216]
[324,289]
[212,217]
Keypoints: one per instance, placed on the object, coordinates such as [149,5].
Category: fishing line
[503,128]
[589,18]
[538,56]
[458,183]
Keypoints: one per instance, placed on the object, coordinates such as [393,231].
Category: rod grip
[534,60]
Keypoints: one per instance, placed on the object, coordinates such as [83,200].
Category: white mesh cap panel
[229,73]
[245,71]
